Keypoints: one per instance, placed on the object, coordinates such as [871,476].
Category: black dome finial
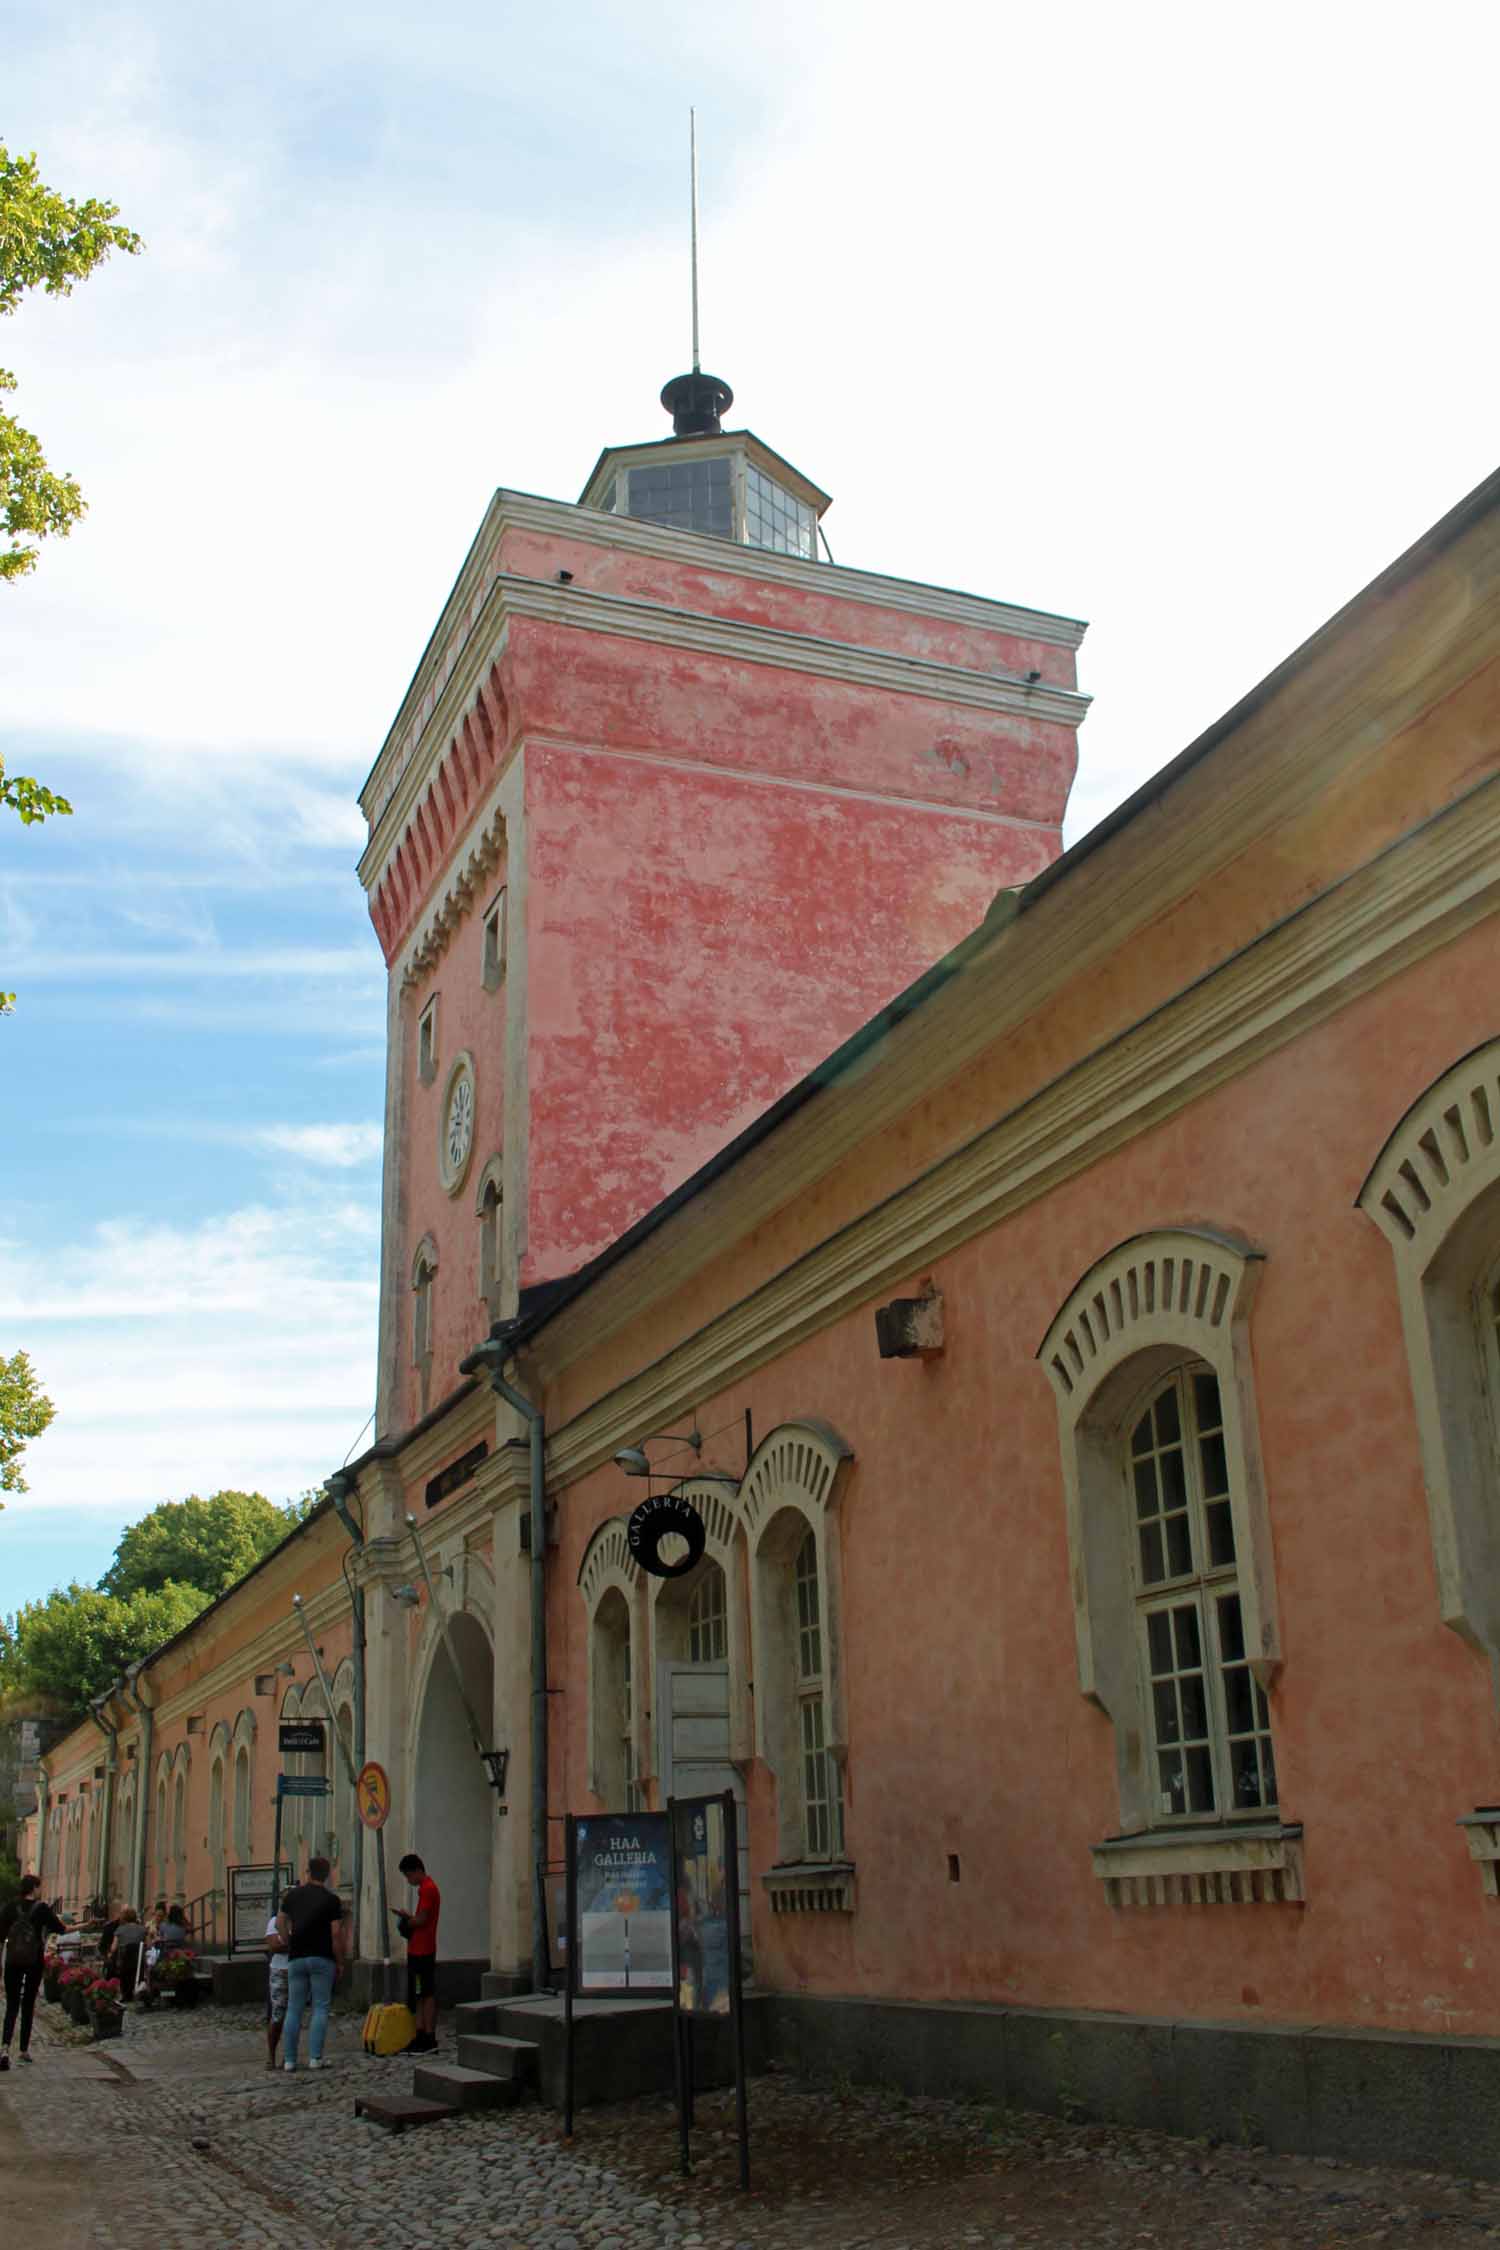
[696,402]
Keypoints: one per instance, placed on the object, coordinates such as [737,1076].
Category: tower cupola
[724,484]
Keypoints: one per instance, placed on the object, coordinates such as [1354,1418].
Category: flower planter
[72,2000]
[51,1990]
[107,2027]
[185,1995]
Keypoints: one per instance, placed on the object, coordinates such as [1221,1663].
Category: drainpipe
[42,1780]
[131,1687]
[338,1488]
[490,1358]
[111,1768]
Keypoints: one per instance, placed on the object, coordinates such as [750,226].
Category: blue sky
[1177,319]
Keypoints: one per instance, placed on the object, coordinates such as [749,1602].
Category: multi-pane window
[691,495]
[822,1805]
[775,518]
[1210,1724]
[708,1618]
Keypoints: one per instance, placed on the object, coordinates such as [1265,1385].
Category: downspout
[338,1488]
[131,1687]
[111,1769]
[490,1358]
[42,1780]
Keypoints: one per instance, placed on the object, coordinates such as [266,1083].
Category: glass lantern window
[695,495]
[775,518]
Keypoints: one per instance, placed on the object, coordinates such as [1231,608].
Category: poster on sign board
[705,1872]
[622,1918]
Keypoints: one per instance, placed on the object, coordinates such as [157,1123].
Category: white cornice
[580,609]
[523,511]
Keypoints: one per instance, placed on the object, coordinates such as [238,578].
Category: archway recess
[455,1805]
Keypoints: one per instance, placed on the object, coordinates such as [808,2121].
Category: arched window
[1209,1720]
[489,1207]
[789,1508]
[179,1822]
[341,1842]
[1434,1193]
[218,1753]
[1173,1587]
[610,1581]
[244,1744]
[164,1829]
[614,1756]
[423,1278]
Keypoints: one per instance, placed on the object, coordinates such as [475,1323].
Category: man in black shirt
[25,1926]
[317,1941]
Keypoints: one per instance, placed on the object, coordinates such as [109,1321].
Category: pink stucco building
[1107,1678]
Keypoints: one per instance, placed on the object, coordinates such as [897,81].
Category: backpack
[389,2030]
[24,1947]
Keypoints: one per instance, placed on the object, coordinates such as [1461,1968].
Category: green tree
[203,1543]
[70,1647]
[51,243]
[25,1411]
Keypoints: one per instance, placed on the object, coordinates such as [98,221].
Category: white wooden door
[692,1704]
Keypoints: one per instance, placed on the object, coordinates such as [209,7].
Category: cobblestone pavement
[176,2135]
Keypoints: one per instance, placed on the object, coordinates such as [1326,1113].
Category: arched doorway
[455,1825]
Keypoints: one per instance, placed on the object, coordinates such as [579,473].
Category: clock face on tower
[456,1124]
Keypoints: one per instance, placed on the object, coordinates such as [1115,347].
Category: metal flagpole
[693,168]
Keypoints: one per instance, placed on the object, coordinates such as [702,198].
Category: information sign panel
[253,1899]
[705,1873]
[622,1925]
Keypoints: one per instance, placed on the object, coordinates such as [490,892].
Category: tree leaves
[207,1544]
[25,1411]
[51,243]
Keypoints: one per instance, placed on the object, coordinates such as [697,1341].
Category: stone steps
[513,2059]
[460,2088]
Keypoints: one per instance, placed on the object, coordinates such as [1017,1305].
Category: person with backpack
[25,1926]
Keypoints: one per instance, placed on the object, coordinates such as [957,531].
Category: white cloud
[239,1351]
[338,1146]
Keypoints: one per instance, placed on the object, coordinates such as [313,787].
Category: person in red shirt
[420,1930]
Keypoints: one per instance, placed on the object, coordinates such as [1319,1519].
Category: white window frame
[427,1042]
[617,1737]
[1201,1588]
[1152,1304]
[492,941]
[1434,1193]
[793,1487]
[489,1210]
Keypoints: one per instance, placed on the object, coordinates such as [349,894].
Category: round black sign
[649,1526]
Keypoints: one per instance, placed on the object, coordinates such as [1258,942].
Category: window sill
[816,1886]
[1257,1864]
[1481,1830]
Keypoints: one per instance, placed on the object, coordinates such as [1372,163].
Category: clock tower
[672,806]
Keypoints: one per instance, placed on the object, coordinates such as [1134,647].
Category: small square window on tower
[494,943]
[427,1046]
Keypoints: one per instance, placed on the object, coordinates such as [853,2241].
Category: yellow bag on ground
[389,2030]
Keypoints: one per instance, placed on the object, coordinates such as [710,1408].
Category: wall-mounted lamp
[498,1762]
[635,1460]
[911,1327]
[407,1596]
